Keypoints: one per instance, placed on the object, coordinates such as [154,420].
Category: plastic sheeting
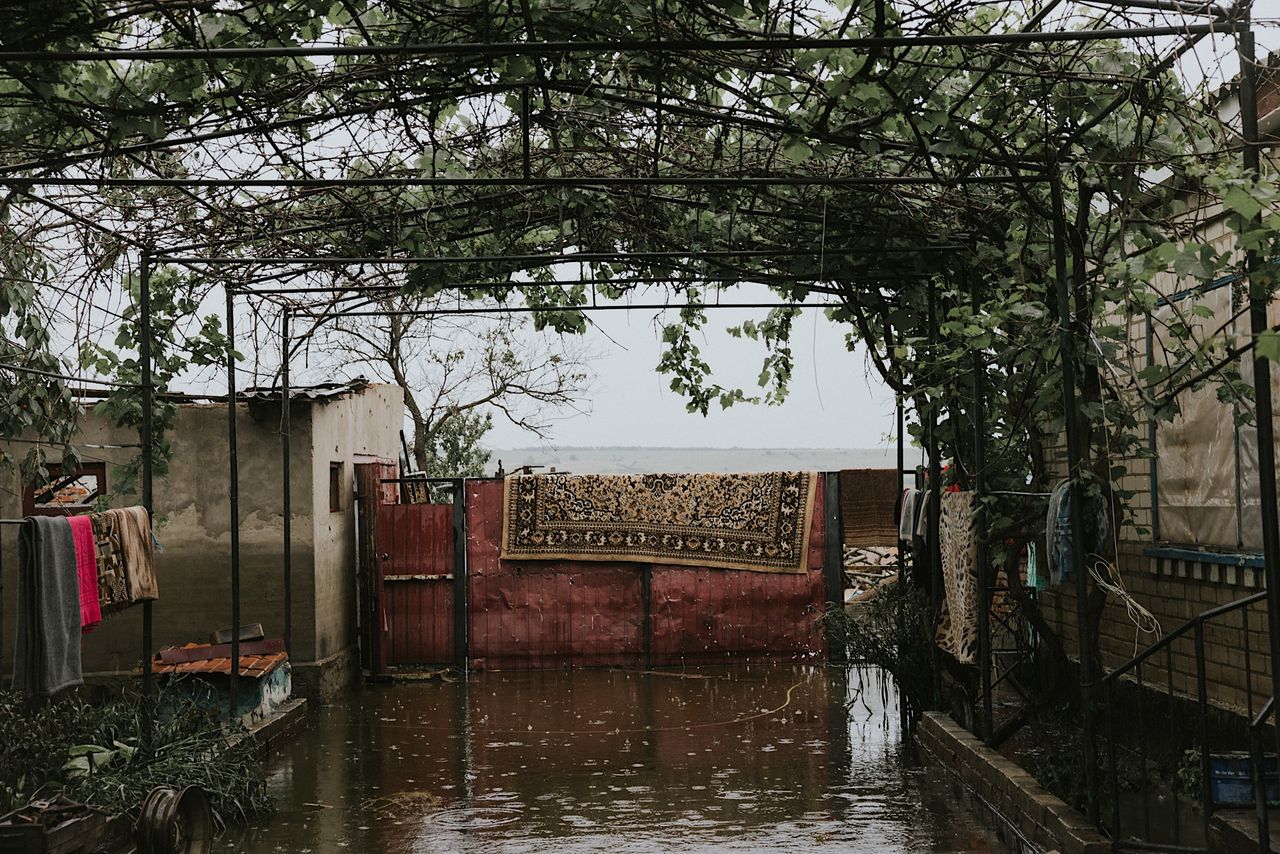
[1207,468]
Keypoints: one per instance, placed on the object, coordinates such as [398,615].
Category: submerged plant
[891,632]
[99,753]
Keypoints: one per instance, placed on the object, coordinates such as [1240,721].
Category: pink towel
[86,571]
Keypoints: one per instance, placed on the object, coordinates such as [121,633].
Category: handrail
[1199,691]
[1189,625]
[1261,719]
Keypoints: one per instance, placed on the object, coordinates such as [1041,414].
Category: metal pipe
[733,181]
[1066,346]
[233,496]
[461,635]
[1206,766]
[902,544]
[646,46]
[2,591]
[745,279]
[1259,299]
[549,258]
[982,556]
[286,485]
[933,518]
[525,143]
[147,440]
[530,309]
[22,369]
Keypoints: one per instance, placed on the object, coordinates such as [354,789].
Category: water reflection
[770,758]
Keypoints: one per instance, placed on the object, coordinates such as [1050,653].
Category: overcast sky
[834,402]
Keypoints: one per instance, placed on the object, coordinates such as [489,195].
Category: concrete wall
[361,428]
[191,503]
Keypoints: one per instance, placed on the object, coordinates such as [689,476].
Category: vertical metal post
[1206,765]
[1066,346]
[832,555]
[286,473]
[646,602]
[147,440]
[1152,438]
[460,609]
[932,526]
[902,460]
[982,556]
[233,494]
[1116,832]
[1259,299]
[2,598]
[524,131]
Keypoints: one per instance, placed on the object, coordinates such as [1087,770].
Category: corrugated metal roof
[319,391]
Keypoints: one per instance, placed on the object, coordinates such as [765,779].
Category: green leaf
[1267,345]
[1242,201]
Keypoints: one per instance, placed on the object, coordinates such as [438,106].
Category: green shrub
[96,753]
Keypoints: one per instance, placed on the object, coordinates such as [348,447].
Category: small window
[335,487]
[66,494]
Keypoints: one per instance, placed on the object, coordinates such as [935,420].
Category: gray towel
[47,652]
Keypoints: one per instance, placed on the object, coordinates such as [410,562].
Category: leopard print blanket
[957,539]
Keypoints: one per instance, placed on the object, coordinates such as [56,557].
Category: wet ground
[767,758]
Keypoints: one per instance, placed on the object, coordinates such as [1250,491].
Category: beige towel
[139,555]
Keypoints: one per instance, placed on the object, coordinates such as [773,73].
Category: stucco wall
[363,428]
[192,503]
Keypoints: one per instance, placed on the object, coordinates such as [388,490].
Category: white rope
[1143,620]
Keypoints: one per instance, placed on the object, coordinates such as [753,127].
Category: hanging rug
[757,522]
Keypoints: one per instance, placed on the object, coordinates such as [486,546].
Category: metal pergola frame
[1234,22]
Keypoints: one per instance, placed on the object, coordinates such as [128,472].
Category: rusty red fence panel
[532,614]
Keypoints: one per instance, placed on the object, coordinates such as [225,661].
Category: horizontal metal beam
[397,290]
[554,258]
[732,181]
[22,369]
[648,46]
[521,309]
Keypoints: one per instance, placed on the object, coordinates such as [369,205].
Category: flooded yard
[764,758]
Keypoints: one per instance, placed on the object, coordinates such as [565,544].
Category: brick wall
[1174,591]
[1027,818]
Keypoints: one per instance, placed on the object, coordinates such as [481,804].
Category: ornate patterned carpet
[758,522]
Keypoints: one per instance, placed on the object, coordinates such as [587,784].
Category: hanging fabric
[921,529]
[957,631]
[86,571]
[910,511]
[47,649]
[868,506]
[126,558]
[1060,555]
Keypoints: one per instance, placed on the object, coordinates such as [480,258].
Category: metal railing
[1145,701]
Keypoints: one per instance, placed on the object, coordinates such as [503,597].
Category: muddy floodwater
[766,758]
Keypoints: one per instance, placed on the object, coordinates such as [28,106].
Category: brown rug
[759,522]
[869,506]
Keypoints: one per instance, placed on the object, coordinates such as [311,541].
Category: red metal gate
[415,573]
